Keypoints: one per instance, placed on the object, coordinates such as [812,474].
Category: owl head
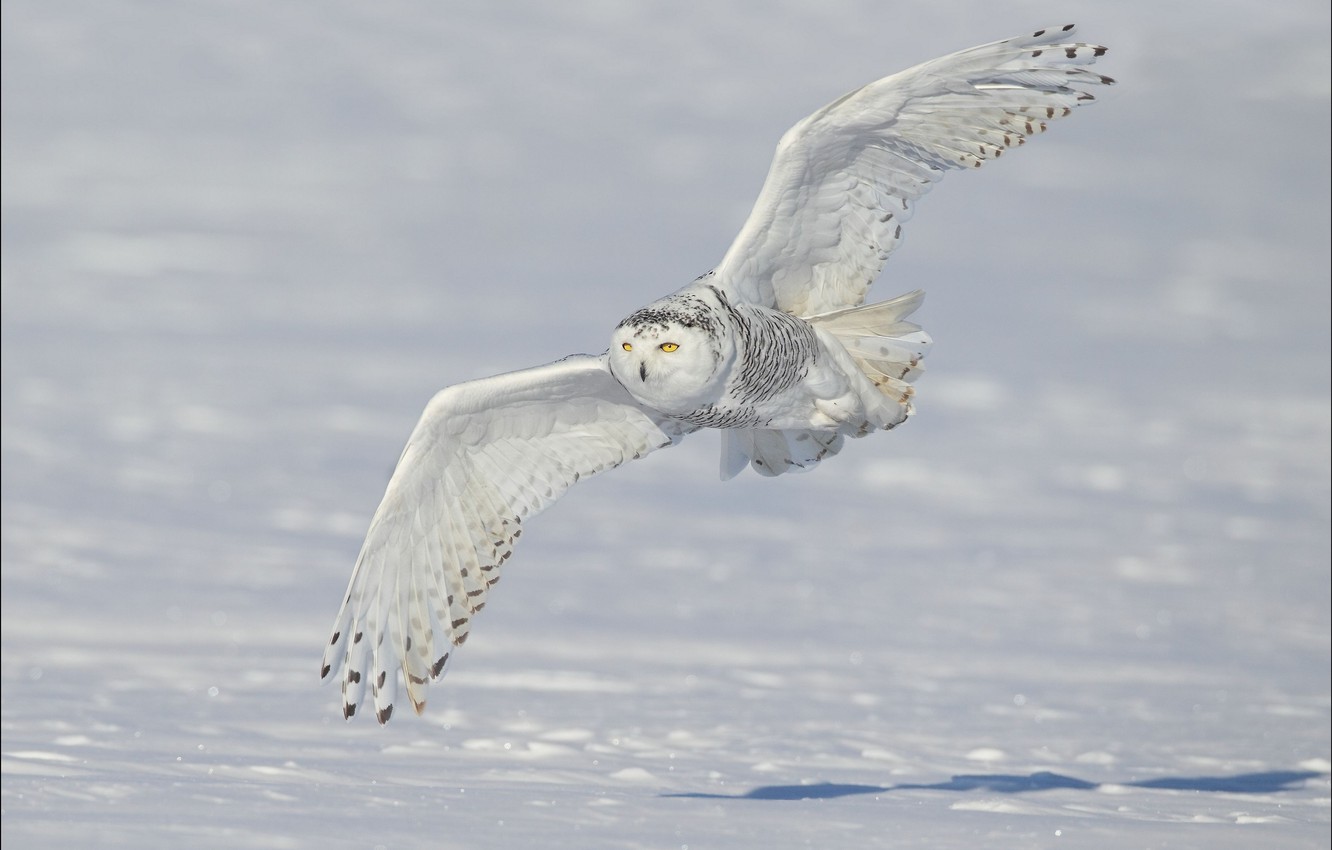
[672,355]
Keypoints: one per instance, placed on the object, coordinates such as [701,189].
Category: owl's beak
[642,372]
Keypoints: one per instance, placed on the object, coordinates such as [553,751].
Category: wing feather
[844,180]
[485,456]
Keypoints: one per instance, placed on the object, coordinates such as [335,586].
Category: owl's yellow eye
[626,346]
[668,347]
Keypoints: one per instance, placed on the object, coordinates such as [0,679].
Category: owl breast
[775,355]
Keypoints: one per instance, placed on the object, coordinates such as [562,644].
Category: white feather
[845,179]
[485,456]
[773,347]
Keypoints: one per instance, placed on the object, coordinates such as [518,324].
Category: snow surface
[1081,600]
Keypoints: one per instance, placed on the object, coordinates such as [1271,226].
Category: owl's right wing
[485,455]
[845,179]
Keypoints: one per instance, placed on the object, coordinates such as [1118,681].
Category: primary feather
[845,180]
[772,346]
[485,456]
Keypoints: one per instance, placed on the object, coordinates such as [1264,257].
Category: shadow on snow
[1270,782]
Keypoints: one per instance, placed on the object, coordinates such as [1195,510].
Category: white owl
[773,346]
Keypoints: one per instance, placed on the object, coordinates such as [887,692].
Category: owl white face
[667,365]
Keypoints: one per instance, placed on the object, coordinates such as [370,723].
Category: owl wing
[485,455]
[845,179]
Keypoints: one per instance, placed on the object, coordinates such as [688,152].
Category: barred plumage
[773,346]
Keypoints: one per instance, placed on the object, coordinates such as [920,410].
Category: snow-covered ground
[1081,600]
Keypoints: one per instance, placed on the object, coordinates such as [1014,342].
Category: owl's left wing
[485,455]
[845,179]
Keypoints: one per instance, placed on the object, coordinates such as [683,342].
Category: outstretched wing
[846,178]
[485,456]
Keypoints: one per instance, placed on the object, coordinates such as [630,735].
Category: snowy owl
[774,347]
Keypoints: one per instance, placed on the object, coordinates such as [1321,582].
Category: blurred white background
[244,242]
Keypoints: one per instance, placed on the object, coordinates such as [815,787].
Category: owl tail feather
[886,347]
